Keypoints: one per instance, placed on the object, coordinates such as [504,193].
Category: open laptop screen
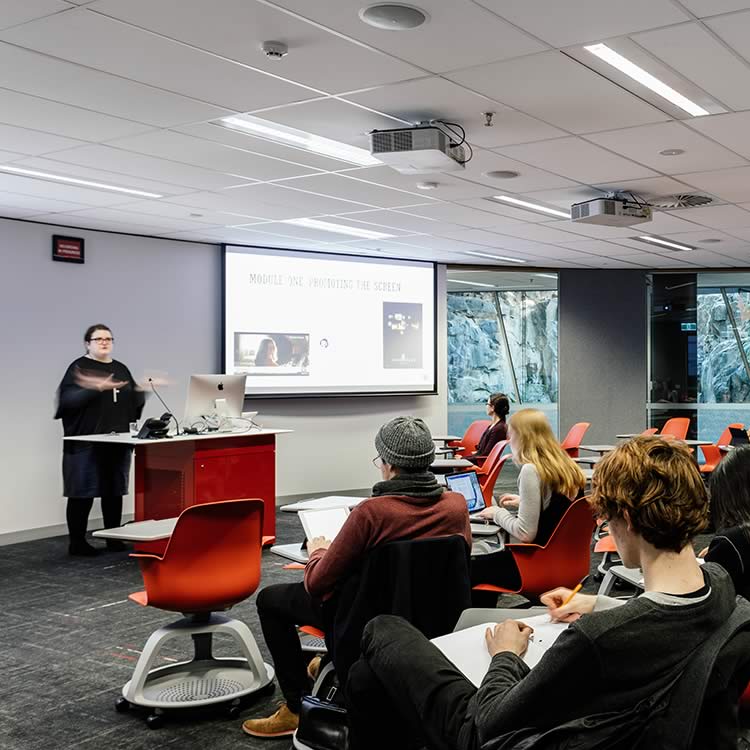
[739,436]
[467,484]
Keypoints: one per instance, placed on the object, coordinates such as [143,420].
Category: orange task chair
[563,561]
[574,438]
[485,467]
[677,427]
[712,454]
[211,563]
[468,443]
[487,482]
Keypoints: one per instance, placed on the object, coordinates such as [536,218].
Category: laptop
[467,484]
[739,436]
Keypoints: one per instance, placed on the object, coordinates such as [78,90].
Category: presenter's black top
[89,412]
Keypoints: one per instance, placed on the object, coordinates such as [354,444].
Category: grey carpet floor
[69,639]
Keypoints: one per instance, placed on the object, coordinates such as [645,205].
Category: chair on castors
[468,443]
[574,438]
[211,563]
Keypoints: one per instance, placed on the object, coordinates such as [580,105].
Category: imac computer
[215,396]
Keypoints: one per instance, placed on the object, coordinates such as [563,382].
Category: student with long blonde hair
[547,482]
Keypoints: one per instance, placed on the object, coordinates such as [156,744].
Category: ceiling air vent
[681,200]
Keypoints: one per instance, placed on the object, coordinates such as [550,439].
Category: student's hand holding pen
[567,605]
[510,635]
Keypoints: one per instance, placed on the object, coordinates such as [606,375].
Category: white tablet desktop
[326,523]
[467,484]
[215,396]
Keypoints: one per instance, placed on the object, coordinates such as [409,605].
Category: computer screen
[309,323]
[215,396]
[467,484]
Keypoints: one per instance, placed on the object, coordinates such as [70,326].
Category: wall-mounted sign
[688,326]
[67,249]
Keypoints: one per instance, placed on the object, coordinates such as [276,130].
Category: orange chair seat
[605,544]
[310,630]
[139,597]
[492,587]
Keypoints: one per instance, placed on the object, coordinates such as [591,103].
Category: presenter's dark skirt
[95,469]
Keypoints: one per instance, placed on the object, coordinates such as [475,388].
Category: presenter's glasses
[103,340]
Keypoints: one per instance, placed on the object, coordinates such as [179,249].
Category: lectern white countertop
[125,438]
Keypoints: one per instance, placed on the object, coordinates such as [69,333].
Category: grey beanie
[405,442]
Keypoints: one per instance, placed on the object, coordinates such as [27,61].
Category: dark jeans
[77,514]
[497,568]
[281,608]
[404,693]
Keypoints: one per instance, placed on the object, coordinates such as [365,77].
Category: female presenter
[97,395]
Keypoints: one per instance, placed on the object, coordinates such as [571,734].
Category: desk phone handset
[154,429]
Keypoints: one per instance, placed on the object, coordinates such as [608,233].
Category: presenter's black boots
[81,548]
[77,516]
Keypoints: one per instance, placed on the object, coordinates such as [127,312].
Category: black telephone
[154,429]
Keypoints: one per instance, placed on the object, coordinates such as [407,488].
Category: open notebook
[326,523]
[467,648]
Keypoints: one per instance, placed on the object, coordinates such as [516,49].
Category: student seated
[498,407]
[407,504]
[729,489]
[549,479]
[612,656]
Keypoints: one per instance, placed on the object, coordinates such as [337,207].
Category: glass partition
[502,336]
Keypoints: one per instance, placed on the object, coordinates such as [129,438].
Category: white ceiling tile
[33,142]
[399,220]
[9,156]
[559,91]
[651,187]
[139,165]
[472,213]
[529,178]
[666,222]
[332,118]
[281,230]
[517,215]
[92,222]
[14,12]
[438,99]
[716,217]
[687,47]
[734,29]
[37,114]
[247,142]
[602,247]
[728,245]
[35,205]
[594,231]
[643,144]
[165,209]
[578,21]
[705,8]
[209,155]
[742,233]
[118,216]
[90,39]
[730,130]
[47,77]
[732,185]
[539,233]
[656,260]
[433,45]
[14,212]
[349,188]
[236,29]
[577,160]
[59,191]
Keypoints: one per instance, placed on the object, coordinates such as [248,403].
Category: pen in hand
[574,591]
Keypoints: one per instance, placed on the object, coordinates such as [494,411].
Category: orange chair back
[492,457]
[712,454]
[472,436]
[574,437]
[677,427]
[487,483]
[650,431]
[564,560]
[212,560]
[726,436]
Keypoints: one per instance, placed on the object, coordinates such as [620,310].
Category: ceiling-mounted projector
[418,150]
[611,212]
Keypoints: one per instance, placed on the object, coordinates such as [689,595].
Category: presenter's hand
[93,382]
[317,542]
[580,604]
[510,501]
[510,635]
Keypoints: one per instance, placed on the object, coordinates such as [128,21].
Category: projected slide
[311,323]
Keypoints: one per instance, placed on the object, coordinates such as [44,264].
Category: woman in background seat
[547,482]
[498,407]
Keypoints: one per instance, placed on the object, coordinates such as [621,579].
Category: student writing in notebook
[610,658]
[407,504]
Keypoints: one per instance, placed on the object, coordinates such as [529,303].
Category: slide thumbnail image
[402,335]
[271,353]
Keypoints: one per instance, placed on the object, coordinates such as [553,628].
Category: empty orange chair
[488,481]
[563,561]
[712,454]
[677,427]
[211,562]
[468,443]
[650,431]
[574,437]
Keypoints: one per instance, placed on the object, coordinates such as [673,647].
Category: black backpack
[669,713]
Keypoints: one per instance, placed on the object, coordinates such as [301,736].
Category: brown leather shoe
[313,668]
[280,724]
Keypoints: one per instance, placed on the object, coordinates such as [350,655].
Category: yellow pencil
[574,591]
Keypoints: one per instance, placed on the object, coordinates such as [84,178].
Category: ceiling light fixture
[531,206]
[494,257]
[502,174]
[472,283]
[672,152]
[428,185]
[663,243]
[298,139]
[616,60]
[548,275]
[393,16]
[329,226]
[76,181]
[710,241]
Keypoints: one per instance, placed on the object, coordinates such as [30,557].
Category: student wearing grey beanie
[407,504]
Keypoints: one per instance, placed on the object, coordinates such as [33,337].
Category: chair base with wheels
[202,681]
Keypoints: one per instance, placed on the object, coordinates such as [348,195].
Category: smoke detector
[274,50]
[680,200]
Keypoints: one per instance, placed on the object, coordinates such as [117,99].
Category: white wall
[162,300]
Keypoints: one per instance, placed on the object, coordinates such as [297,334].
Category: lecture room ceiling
[132,94]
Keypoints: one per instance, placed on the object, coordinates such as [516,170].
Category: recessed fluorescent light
[329,226]
[494,257]
[76,181]
[531,206]
[299,139]
[548,275]
[616,60]
[472,283]
[664,243]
